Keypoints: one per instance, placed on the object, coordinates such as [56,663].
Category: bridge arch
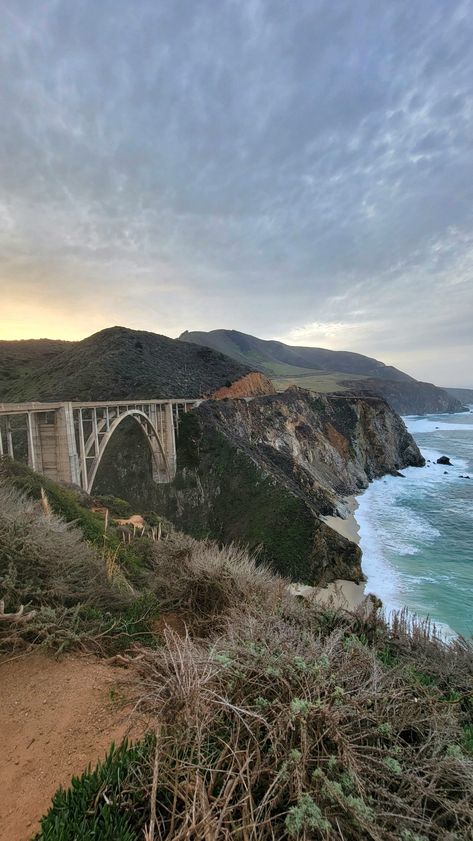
[162,469]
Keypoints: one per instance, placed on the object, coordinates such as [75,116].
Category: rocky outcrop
[260,472]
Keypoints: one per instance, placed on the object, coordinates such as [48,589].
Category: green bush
[118,507]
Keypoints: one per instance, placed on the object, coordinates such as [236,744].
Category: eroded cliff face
[261,471]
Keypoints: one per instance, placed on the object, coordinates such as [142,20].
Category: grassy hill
[284,360]
[20,359]
[324,370]
[114,364]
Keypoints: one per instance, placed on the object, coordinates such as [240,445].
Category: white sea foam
[421,424]
[389,529]
[415,531]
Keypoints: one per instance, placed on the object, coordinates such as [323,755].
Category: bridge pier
[52,446]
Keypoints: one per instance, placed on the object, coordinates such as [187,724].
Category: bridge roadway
[66,440]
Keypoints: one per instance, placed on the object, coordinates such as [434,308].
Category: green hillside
[271,355]
[19,359]
[114,364]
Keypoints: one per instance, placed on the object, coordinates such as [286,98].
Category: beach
[346,526]
[341,592]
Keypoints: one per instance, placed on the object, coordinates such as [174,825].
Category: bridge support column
[35,450]
[68,467]
[169,442]
[52,444]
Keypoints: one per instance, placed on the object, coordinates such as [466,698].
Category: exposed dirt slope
[56,717]
[251,385]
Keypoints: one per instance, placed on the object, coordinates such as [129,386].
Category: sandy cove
[340,593]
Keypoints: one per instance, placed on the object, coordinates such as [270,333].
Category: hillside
[19,359]
[115,364]
[273,356]
[325,371]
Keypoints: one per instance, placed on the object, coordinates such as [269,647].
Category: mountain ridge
[322,370]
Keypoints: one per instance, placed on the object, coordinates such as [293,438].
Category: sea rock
[444,460]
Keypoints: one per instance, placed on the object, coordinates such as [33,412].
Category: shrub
[209,583]
[118,507]
[63,501]
[305,815]
[318,764]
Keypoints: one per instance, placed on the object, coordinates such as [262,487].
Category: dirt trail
[56,717]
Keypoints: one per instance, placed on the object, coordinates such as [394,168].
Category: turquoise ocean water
[416,533]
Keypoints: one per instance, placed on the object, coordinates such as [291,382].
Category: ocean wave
[418,425]
[409,530]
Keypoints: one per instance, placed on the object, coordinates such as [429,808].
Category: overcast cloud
[296,169]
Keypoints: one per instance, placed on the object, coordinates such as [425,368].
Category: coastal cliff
[408,397]
[262,471]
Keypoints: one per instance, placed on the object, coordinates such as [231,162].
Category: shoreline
[340,593]
[346,526]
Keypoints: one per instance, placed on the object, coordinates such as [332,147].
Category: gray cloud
[298,170]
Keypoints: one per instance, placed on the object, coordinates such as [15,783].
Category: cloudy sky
[296,169]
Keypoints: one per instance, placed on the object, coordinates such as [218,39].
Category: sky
[295,169]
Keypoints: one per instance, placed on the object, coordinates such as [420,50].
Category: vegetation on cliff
[79,585]
[262,472]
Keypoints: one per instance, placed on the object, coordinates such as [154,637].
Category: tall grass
[46,565]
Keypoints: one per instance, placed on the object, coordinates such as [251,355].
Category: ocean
[416,533]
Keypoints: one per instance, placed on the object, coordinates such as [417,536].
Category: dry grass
[207,583]
[274,719]
[46,565]
[291,721]
[271,734]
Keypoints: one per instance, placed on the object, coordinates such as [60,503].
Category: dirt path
[55,718]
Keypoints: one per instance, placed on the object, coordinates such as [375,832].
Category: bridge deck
[22,408]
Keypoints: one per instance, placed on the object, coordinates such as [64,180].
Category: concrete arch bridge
[66,441]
